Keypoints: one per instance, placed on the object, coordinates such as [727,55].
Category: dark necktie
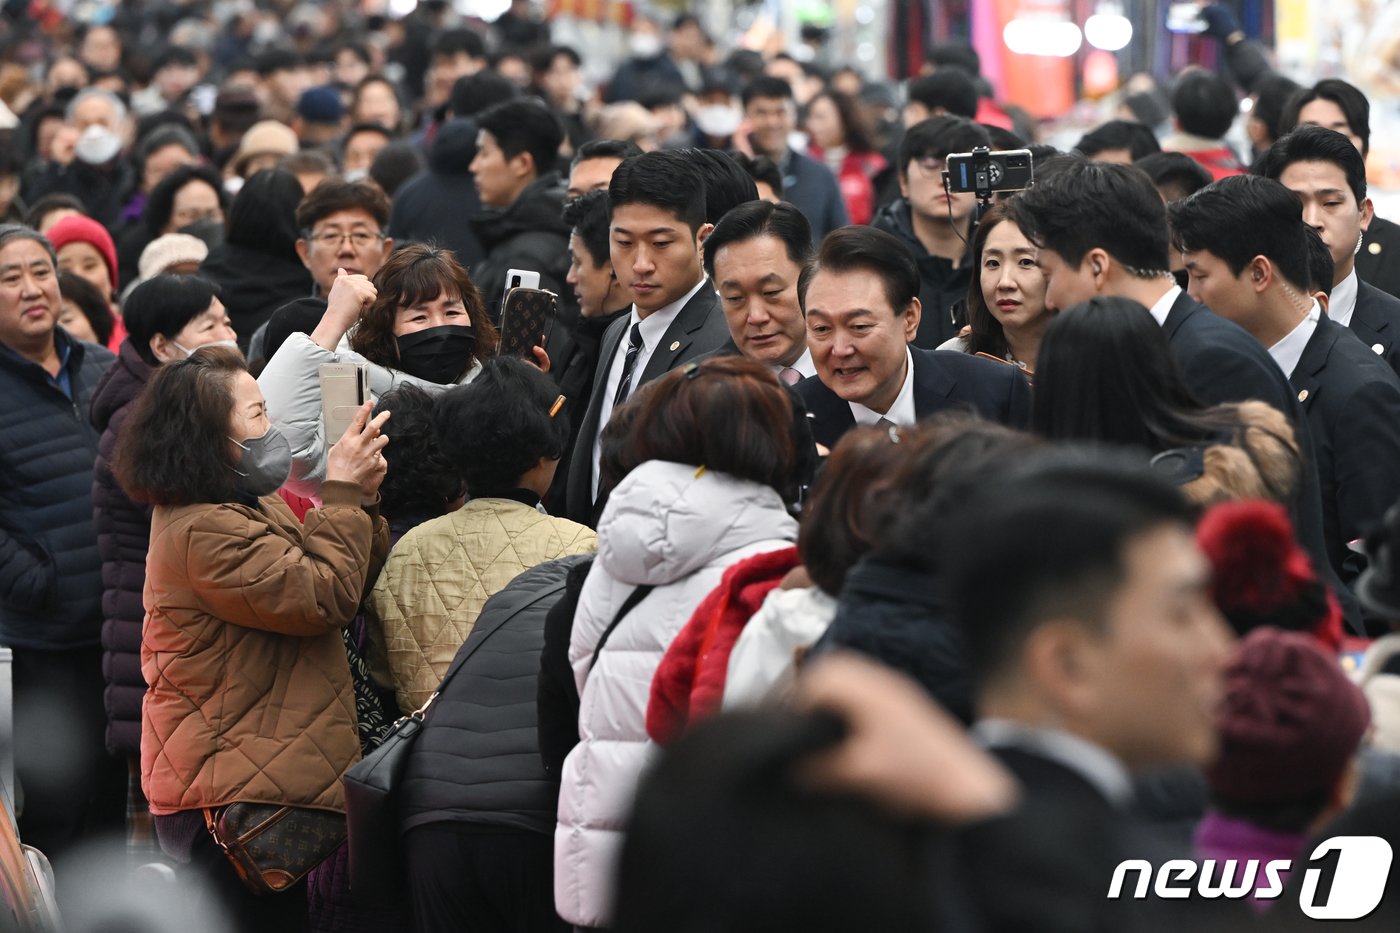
[885,423]
[629,364]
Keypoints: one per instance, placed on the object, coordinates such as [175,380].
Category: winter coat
[478,758]
[765,656]
[812,188]
[856,181]
[689,682]
[254,284]
[676,528]
[441,574]
[895,616]
[438,205]
[123,534]
[942,283]
[291,383]
[531,235]
[250,696]
[50,572]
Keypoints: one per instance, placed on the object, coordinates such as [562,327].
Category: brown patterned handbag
[273,847]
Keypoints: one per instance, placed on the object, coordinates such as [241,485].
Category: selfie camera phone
[983,172]
[1185,17]
[519,278]
[344,388]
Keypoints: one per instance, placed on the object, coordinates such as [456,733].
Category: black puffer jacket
[478,759]
[942,285]
[50,574]
[438,205]
[123,534]
[530,235]
[896,617]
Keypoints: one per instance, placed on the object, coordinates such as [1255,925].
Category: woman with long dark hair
[1106,373]
[840,139]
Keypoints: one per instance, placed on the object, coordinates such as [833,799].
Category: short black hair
[395,164]
[950,88]
[606,149]
[1204,103]
[1175,174]
[1078,205]
[587,216]
[666,179]
[939,137]
[1316,144]
[525,126]
[866,249]
[164,305]
[174,55]
[421,480]
[73,287]
[955,53]
[1322,269]
[761,218]
[1002,138]
[1087,506]
[767,87]
[475,93]
[335,195]
[162,135]
[727,185]
[275,60]
[542,57]
[459,41]
[1348,98]
[1138,139]
[498,426]
[1272,93]
[1244,216]
[377,129]
[760,169]
[161,202]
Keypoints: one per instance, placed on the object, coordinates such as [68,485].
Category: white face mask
[718,120]
[232,344]
[644,45]
[356,174]
[98,145]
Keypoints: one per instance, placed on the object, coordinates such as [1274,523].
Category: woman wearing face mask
[169,317]
[250,694]
[1006,311]
[421,321]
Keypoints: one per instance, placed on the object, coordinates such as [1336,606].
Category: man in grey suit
[656,233]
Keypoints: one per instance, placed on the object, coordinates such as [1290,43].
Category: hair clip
[691,369]
[558,404]
[700,471]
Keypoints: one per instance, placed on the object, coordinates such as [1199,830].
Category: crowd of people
[845,552]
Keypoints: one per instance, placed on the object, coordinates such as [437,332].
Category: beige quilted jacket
[441,573]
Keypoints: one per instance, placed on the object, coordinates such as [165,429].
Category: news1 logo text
[1343,879]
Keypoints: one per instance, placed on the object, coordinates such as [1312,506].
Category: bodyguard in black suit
[657,228]
[860,298]
[1324,169]
[1378,263]
[1102,230]
[1247,251]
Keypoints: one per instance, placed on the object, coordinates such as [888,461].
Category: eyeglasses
[359,239]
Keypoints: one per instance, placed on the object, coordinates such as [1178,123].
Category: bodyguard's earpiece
[1098,270]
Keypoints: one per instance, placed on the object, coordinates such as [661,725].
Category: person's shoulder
[960,363]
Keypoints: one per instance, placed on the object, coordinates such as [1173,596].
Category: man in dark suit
[1248,258]
[1096,653]
[1323,168]
[1102,230]
[657,228]
[860,297]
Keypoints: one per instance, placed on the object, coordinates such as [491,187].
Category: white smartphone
[519,278]
[344,388]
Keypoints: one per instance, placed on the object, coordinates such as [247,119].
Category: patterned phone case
[526,320]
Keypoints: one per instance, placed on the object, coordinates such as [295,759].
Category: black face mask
[437,354]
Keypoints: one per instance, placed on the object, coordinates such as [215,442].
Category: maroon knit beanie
[1289,723]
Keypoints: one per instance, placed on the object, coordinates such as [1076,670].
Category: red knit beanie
[1290,721]
[76,228]
[1260,574]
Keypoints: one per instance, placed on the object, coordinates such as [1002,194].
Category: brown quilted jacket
[249,695]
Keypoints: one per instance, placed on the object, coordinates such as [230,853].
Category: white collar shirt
[902,412]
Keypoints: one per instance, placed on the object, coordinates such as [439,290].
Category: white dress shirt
[654,327]
[1091,762]
[1288,351]
[902,411]
[803,364]
[1163,307]
[1341,304]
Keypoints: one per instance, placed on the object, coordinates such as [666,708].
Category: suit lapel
[1182,308]
[1306,378]
[679,336]
[1373,327]
[932,383]
[830,414]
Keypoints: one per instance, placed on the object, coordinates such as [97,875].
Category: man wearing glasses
[342,227]
[936,226]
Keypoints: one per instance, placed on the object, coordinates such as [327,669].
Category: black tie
[629,363]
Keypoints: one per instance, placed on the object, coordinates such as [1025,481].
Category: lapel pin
[675,346]
[1374,249]
[1378,349]
[1303,395]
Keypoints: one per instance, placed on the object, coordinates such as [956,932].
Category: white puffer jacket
[666,526]
[764,659]
[291,384]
